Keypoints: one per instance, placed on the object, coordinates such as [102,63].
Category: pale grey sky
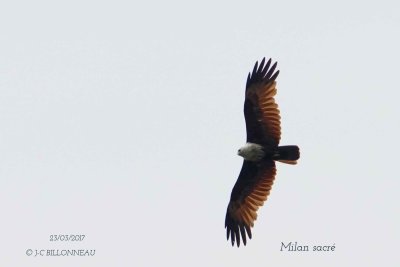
[121,121]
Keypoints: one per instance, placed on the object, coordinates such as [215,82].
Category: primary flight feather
[259,153]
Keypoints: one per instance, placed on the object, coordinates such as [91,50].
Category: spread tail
[287,154]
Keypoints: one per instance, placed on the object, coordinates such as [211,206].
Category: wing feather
[260,109]
[249,193]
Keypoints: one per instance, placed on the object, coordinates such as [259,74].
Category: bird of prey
[259,153]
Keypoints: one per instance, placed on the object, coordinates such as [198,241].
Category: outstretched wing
[260,110]
[249,193]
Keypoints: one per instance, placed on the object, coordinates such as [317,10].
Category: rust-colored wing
[260,110]
[249,193]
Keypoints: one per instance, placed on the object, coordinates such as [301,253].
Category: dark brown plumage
[263,132]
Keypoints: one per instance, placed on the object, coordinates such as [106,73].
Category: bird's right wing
[249,193]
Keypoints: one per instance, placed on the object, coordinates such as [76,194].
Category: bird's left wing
[260,109]
[249,193]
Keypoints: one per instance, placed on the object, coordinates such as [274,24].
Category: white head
[251,152]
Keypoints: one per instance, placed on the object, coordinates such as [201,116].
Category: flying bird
[259,153]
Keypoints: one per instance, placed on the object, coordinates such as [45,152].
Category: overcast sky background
[121,121]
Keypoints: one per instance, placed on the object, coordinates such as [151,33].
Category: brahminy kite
[259,153]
